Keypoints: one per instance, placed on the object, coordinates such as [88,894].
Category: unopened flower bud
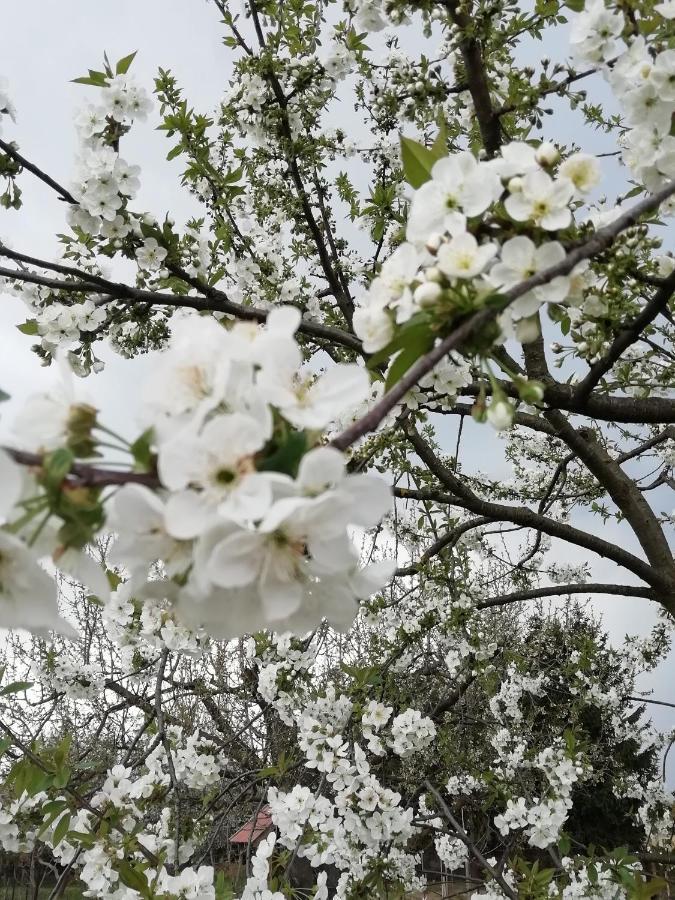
[666,264]
[434,242]
[434,274]
[527,330]
[427,293]
[515,184]
[500,414]
[478,411]
[530,391]
[81,417]
[547,154]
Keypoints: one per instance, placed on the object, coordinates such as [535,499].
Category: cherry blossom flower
[463,257]
[150,256]
[541,200]
[520,259]
[459,187]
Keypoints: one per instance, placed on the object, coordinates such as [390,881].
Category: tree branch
[599,241]
[627,336]
[522,515]
[620,590]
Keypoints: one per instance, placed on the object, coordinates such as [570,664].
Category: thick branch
[216,301]
[562,590]
[621,488]
[84,475]
[477,77]
[522,515]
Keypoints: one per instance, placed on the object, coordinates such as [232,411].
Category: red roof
[255,828]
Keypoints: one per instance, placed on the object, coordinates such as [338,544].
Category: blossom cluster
[642,81]
[442,258]
[252,512]
[105,182]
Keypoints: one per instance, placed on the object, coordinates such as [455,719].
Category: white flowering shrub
[293,599]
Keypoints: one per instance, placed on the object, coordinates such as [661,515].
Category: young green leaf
[417,161]
[124,64]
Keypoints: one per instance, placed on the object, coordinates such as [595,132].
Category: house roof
[255,829]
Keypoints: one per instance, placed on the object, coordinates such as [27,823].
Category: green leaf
[56,466]
[124,64]
[4,396]
[62,750]
[62,777]
[36,780]
[97,79]
[51,811]
[15,687]
[81,837]
[141,450]
[114,579]
[417,346]
[62,828]
[440,146]
[418,323]
[54,806]
[133,877]
[30,326]
[417,161]
[287,455]
[176,151]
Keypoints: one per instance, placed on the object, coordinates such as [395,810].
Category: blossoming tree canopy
[289,585]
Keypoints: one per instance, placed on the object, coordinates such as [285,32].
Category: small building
[257,828]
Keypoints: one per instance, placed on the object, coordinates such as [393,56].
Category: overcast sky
[46,43]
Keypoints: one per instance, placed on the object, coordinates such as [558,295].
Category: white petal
[332,556]
[284,320]
[80,566]
[180,460]
[320,469]
[136,507]
[237,560]
[280,598]
[235,436]
[250,500]
[11,480]
[372,577]
[223,614]
[341,388]
[27,594]
[370,499]
[187,515]
[518,253]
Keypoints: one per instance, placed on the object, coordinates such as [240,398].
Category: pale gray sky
[46,44]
